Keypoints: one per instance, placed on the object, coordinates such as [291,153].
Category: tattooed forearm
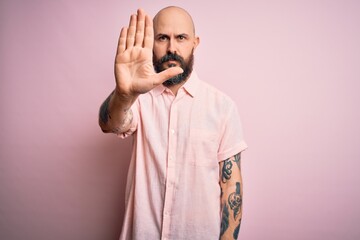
[117,121]
[230,197]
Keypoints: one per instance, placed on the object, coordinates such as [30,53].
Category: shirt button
[172,131]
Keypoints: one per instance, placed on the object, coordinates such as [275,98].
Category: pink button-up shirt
[173,189]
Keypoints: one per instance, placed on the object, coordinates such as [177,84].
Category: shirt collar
[191,86]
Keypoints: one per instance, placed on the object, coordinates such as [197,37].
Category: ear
[196,41]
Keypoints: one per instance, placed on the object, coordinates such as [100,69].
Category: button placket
[169,187]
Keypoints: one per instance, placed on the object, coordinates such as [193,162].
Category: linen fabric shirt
[173,189]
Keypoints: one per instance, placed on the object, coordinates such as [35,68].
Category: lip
[172,62]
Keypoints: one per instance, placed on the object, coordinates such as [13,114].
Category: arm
[134,73]
[231,197]
[115,114]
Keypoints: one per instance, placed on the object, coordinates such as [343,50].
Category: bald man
[184,179]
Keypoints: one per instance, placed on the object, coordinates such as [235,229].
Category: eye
[181,37]
[163,38]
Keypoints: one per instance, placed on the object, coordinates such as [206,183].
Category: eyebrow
[166,35]
[182,34]
[161,35]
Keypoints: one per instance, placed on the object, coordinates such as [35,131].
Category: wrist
[124,98]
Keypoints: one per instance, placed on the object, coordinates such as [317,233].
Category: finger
[149,33]
[166,74]
[122,41]
[131,32]
[139,36]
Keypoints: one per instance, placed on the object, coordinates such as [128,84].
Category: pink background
[293,67]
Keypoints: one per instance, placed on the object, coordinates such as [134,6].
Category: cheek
[187,51]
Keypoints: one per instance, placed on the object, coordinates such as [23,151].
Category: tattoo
[104,110]
[127,120]
[236,231]
[235,200]
[226,171]
[237,159]
[224,219]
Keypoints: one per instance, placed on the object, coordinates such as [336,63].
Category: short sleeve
[134,122]
[232,140]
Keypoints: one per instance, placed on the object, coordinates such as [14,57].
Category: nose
[172,46]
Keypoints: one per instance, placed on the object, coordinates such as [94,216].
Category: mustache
[171,57]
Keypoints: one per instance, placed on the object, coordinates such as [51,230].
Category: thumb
[161,77]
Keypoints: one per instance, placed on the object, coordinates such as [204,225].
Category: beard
[187,67]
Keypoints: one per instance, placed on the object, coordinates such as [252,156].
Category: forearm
[231,197]
[115,113]
[231,211]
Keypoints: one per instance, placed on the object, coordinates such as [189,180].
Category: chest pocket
[203,146]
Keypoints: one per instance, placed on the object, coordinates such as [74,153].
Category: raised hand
[134,71]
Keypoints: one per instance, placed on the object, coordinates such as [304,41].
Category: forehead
[173,21]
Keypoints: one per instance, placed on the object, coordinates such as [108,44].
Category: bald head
[174,17]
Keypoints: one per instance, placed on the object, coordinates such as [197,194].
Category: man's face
[174,43]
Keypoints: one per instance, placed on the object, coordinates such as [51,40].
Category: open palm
[134,71]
